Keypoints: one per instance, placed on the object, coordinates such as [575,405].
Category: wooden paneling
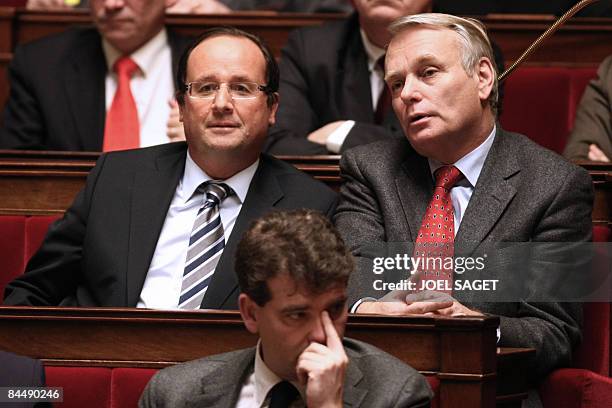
[460,352]
[33,182]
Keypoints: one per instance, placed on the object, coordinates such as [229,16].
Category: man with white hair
[458,183]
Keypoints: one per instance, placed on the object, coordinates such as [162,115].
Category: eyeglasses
[237,90]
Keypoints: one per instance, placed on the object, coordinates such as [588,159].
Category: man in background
[591,138]
[293,269]
[334,95]
[102,89]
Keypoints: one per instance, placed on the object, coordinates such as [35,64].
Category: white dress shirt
[471,166]
[162,286]
[152,86]
[254,392]
[377,83]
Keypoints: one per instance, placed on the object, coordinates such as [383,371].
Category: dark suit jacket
[525,193]
[57,94]
[324,78]
[20,371]
[99,253]
[373,379]
[593,117]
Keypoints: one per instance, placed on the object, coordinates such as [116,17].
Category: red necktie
[384,99]
[435,241]
[122,130]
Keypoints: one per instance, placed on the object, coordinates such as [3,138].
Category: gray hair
[472,37]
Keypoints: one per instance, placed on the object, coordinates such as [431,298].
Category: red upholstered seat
[434,383]
[127,385]
[20,237]
[540,102]
[36,228]
[12,237]
[83,386]
[576,388]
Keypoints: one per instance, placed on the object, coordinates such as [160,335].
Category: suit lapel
[353,396]
[264,192]
[84,79]
[352,74]
[223,390]
[491,196]
[153,190]
[414,188]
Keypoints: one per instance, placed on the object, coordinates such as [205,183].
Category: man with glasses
[158,227]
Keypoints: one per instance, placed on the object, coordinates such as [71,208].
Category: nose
[411,92]
[317,332]
[112,5]
[223,101]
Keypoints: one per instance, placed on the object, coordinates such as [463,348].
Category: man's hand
[47,5]
[174,127]
[394,308]
[199,7]
[321,369]
[402,303]
[320,135]
[595,154]
[437,303]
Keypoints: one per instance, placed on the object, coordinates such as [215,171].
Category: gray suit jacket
[525,193]
[593,118]
[373,379]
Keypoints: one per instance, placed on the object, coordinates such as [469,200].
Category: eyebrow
[213,78]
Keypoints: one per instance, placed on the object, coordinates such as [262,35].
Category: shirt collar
[471,164]
[144,56]
[193,176]
[265,379]
[372,51]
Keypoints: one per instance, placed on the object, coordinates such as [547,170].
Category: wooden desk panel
[460,352]
[36,183]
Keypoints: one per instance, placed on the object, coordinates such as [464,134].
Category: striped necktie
[206,245]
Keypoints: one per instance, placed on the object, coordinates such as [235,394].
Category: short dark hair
[300,243]
[272,72]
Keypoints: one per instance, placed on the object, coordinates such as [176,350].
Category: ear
[248,311]
[485,73]
[273,109]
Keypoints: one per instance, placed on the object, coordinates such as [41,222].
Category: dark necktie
[384,99]
[206,245]
[436,238]
[122,127]
[282,394]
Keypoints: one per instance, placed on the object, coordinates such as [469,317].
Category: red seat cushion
[128,384]
[36,229]
[576,388]
[536,104]
[434,383]
[83,386]
[12,238]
